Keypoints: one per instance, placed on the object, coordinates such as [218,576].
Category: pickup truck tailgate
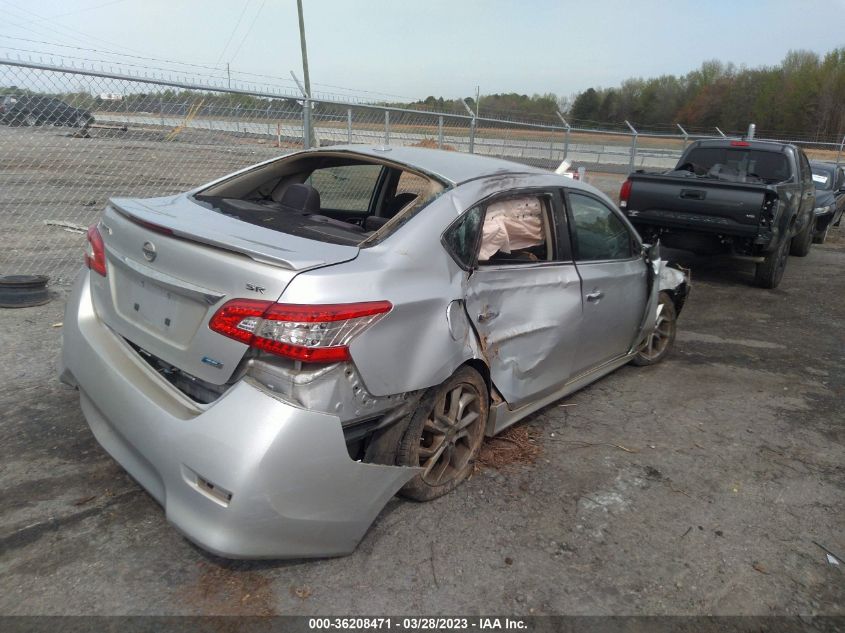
[698,203]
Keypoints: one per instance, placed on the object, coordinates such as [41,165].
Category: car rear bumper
[294,491]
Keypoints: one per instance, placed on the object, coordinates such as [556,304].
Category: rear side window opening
[737,164]
[328,198]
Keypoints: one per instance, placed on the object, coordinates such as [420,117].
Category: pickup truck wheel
[821,237]
[769,272]
[800,245]
[444,435]
[660,339]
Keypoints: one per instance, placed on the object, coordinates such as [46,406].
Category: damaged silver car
[277,353]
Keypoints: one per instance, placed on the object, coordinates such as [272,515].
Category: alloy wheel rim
[659,337]
[449,435]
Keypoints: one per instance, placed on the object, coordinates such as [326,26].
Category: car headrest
[301,198]
[398,202]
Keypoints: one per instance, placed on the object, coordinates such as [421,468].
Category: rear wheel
[800,245]
[660,339]
[444,435]
[769,272]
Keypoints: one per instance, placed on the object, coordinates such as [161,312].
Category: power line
[75,11]
[188,64]
[232,34]
[249,30]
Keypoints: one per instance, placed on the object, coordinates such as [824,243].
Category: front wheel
[444,435]
[659,341]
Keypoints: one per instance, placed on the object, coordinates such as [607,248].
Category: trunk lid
[161,289]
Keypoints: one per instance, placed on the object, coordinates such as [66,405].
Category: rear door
[524,296]
[615,280]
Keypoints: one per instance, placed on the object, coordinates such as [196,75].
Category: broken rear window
[328,198]
[737,164]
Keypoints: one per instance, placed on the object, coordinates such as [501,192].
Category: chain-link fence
[70,138]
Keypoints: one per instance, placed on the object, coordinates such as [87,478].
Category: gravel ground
[697,486]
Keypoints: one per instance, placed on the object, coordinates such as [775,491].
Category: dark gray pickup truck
[751,199]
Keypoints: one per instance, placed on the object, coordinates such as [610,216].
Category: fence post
[440,132]
[306,123]
[387,127]
[633,146]
[268,120]
[349,125]
[238,118]
[686,136]
[565,135]
[471,127]
[161,110]
[839,153]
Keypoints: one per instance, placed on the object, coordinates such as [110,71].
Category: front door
[615,281]
[524,296]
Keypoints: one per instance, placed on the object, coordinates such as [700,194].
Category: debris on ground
[70,227]
[582,444]
[515,445]
[832,558]
[303,593]
[758,567]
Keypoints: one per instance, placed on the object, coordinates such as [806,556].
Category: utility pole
[308,130]
[304,49]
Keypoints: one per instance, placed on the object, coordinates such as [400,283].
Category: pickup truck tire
[660,339]
[770,271]
[800,245]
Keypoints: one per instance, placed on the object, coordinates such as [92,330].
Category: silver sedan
[277,353]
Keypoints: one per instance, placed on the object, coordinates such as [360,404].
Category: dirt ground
[705,485]
[699,486]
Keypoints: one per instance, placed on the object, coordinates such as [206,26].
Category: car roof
[453,167]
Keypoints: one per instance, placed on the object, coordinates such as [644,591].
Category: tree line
[802,97]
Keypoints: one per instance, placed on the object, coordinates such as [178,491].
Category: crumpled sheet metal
[669,277]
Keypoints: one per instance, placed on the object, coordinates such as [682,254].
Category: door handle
[595,295]
[487,316]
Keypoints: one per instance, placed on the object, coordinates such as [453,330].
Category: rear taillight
[95,253]
[740,144]
[311,333]
[625,193]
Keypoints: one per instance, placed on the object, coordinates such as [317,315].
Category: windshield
[822,178]
[737,164]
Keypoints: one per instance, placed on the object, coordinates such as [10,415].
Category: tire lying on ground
[23,291]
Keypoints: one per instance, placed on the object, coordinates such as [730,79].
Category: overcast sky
[431,47]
